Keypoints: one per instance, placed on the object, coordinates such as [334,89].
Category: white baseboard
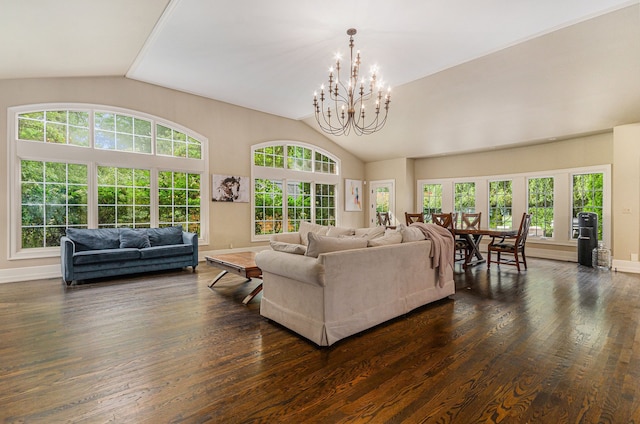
[625,266]
[558,255]
[14,275]
[202,254]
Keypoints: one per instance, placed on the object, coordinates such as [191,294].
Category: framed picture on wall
[230,188]
[352,195]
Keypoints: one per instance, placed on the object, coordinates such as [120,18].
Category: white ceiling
[465,75]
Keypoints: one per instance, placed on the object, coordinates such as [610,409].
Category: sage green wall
[231,131]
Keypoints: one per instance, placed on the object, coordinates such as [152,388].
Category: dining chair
[410,218]
[384,219]
[444,220]
[511,246]
[471,221]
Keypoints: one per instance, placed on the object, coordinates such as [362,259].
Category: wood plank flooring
[559,343]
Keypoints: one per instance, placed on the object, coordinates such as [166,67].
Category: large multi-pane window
[540,206]
[268,206]
[54,198]
[66,179]
[292,182]
[171,142]
[299,158]
[55,126]
[500,204]
[124,197]
[125,133]
[270,156]
[553,198]
[298,204]
[325,202]
[464,200]
[588,196]
[431,200]
[179,200]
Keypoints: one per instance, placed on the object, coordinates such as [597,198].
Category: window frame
[562,198]
[286,175]
[502,203]
[533,222]
[428,211]
[93,157]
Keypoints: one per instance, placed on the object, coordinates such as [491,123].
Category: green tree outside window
[54,198]
[500,204]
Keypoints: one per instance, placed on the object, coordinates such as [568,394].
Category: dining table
[473,236]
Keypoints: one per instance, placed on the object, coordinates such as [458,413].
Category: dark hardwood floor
[559,343]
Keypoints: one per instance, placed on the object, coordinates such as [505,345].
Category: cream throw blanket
[442,250]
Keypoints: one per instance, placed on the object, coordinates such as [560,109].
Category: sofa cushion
[307,227]
[94,239]
[281,246]
[166,251]
[370,233]
[134,238]
[105,255]
[340,231]
[165,236]
[323,244]
[387,239]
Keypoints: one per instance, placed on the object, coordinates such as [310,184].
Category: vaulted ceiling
[465,75]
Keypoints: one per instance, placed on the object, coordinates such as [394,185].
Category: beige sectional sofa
[348,287]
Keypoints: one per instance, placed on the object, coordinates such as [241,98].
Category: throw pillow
[323,244]
[339,231]
[94,239]
[388,239]
[307,227]
[165,236]
[410,233]
[134,238]
[280,246]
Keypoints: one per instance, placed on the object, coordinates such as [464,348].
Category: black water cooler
[587,237]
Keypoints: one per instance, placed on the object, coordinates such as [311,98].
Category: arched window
[94,166]
[292,182]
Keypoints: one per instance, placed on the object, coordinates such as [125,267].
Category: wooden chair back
[516,248]
[443,219]
[410,218]
[471,220]
[523,231]
[384,218]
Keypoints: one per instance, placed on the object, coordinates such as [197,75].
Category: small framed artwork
[230,188]
[352,195]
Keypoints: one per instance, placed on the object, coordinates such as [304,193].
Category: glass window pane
[540,206]
[588,196]
[123,196]
[431,200]
[175,199]
[500,204]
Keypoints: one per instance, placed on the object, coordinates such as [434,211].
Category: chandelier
[354,104]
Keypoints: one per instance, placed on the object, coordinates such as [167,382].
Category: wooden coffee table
[241,263]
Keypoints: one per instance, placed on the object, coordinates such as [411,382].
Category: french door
[382,195]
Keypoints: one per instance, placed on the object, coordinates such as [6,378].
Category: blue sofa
[106,252]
